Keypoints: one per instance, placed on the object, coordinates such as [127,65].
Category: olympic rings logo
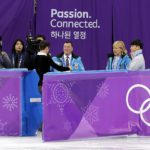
[142,109]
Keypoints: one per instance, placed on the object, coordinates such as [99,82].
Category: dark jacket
[43,64]
[18,60]
[61,55]
[5,61]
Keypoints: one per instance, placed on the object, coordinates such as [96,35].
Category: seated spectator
[5,61]
[119,59]
[18,54]
[138,61]
[68,58]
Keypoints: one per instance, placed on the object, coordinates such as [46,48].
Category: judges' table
[96,103]
[20,103]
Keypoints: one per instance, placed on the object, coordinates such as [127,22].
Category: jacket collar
[112,55]
[41,54]
[61,55]
[136,53]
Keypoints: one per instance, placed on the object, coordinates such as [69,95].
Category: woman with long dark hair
[18,53]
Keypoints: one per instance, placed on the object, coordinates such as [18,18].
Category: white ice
[103,143]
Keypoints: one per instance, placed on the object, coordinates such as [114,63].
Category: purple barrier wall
[20,103]
[96,104]
[10,103]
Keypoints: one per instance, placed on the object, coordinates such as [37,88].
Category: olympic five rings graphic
[142,109]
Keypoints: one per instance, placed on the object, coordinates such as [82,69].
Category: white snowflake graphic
[67,126]
[103,90]
[2,127]
[10,102]
[91,113]
[60,94]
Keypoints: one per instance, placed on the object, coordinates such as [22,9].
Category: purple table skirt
[93,104]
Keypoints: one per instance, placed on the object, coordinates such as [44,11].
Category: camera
[32,48]
[32,44]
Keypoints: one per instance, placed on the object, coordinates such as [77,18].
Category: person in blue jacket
[119,59]
[68,58]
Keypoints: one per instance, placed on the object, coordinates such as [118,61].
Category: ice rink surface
[103,143]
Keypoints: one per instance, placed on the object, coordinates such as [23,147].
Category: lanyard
[19,63]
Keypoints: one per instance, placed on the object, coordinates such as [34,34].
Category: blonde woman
[119,59]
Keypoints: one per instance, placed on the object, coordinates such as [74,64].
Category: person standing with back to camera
[43,62]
